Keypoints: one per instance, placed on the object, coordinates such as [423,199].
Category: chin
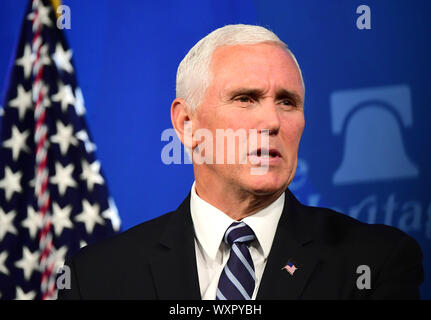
[267,184]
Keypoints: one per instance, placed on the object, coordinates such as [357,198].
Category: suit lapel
[293,243]
[174,264]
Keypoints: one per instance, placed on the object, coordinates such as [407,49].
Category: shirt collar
[210,223]
[264,223]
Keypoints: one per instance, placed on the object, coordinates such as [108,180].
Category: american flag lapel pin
[290,267]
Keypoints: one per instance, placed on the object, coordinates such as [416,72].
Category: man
[241,234]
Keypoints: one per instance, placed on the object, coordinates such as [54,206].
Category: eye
[244,99]
[287,103]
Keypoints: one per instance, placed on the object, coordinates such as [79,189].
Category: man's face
[254,87]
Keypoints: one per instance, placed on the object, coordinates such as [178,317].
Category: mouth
[262,156]
[266,153]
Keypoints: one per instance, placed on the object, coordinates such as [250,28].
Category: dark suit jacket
[156,259]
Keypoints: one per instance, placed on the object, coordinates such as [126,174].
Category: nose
[269,118]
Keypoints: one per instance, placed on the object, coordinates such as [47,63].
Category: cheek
[292,131]
[217,120]
[234,119]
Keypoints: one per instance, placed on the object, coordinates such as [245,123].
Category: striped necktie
[237,279]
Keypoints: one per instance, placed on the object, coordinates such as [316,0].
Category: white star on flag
[83,136]
[6,223]
[63,177]
[21,295]
[44,55]
[82,244]
[64,137]
[61,218]
[26,61]
[22,102]
[3,258]
[91,174]
[33,222]
[28,263]
[46,102]
[59,257]
[42,16]
[62,58]
[64,95]
[10,182]
[89,216]
[17,142]
[112,214]
[79,103]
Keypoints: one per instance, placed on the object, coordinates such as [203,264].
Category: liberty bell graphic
[371,121]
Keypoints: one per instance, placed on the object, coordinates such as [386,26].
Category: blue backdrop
[366,147]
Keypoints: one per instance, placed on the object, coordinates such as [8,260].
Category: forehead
[259,65]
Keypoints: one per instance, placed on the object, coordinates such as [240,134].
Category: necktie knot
[239,232]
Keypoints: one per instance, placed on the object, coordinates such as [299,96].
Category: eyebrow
[287,94]
[257,93]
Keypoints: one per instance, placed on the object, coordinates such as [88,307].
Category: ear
[182,122]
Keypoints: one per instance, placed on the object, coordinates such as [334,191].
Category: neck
[237,203]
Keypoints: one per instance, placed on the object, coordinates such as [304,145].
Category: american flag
[290,267]
[53,194]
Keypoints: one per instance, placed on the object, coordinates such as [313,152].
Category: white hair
[193,74]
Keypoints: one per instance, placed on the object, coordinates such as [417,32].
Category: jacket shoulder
[393,257]
[117,267]
[333,225]
[136,241]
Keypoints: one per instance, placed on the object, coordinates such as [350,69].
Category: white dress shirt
[210,225]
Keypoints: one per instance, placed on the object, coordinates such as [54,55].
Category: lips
[265,157]
[262,152]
